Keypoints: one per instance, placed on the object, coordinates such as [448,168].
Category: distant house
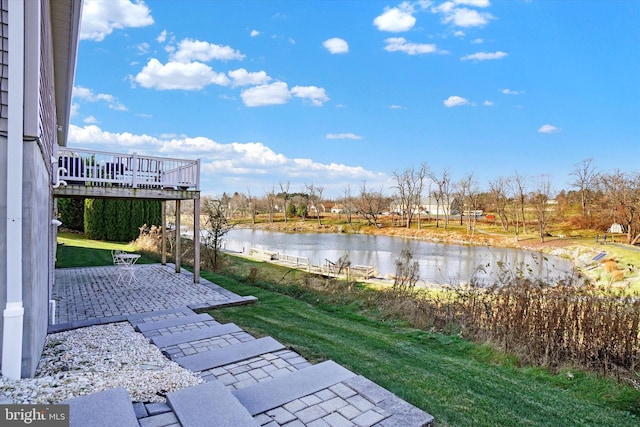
[337,208]
[428,206]
[616,229]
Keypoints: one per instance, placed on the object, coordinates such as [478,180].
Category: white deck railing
[97,168]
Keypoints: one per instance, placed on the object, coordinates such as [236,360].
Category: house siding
[3,158]
[37,199]
[4,41]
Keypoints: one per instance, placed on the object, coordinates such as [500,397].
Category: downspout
[13,314]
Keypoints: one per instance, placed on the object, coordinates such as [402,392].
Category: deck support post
[163,236]
[178,249]
[196,240]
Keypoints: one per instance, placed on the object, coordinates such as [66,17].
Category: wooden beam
[96,192]
[178,249]
[196,240]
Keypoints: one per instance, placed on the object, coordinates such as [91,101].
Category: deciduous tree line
[518,203]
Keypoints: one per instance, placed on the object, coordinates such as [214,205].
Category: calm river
[439,263]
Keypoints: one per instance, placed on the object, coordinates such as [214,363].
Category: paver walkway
[249,381]
[91,296]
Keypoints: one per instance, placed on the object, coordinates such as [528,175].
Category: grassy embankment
[458,382]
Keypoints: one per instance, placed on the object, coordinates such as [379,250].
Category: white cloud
[343,136]
[88,95]
[511,92]
[473,3]
[196,50]
[242,77]
[455,101]
[254,33]
[232,166]
[487,103]
[463,17]
[484,56]
[477,41]
[400,44]
[459,33]
[162,37]
[100,18]
[267,94]
[178,76]
[547,128]
[396,19]
[397,107]
[90,120]
[316,95]
[336,45]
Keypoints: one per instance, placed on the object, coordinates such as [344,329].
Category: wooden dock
[328,268]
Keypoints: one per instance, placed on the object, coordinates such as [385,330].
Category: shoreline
[573,248]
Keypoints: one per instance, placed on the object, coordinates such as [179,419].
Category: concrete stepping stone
[177,321]
[403,414]
[195,335]
[230,354]
[278,391]
[137,318]
[103,409]
[209,404]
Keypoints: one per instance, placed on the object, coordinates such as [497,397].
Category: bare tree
[271,201]
[519,184]
[215,226]
[540,200]
[585,180]
[347,202]
[370,204]
[284,192]
[315,195]
[623,195]
[409,185]
[468,194]
[498,191]
[252,205]
[443,195]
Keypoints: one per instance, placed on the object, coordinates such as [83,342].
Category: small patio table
[125,262]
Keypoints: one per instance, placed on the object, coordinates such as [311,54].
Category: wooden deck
[98,174]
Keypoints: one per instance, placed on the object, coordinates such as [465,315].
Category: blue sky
[337,93]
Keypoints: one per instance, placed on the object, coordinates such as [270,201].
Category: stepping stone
[403,414]
[137,318]
[195,335]
[104,409]
[167,323]
[230,354]
[280,390]
[209,404]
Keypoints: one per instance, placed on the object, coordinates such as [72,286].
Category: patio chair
[126,265]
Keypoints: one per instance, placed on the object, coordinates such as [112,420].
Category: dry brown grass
[545,325]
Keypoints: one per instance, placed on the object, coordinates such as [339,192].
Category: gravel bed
[88,360]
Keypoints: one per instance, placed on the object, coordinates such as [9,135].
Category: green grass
[458,382]
[76,251]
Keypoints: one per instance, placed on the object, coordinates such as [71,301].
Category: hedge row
[109,219]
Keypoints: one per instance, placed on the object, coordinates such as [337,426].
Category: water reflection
[439,263]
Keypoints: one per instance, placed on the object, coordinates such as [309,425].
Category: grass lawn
[76,251]
[460,383]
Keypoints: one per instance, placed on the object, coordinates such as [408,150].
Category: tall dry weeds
[552,325]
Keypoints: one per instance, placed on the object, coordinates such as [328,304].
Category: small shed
[616,228]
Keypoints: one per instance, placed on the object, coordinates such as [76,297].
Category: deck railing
[97,168]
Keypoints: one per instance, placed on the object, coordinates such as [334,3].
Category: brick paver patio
[92,295]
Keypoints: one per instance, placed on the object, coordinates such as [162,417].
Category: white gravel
[88,360]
